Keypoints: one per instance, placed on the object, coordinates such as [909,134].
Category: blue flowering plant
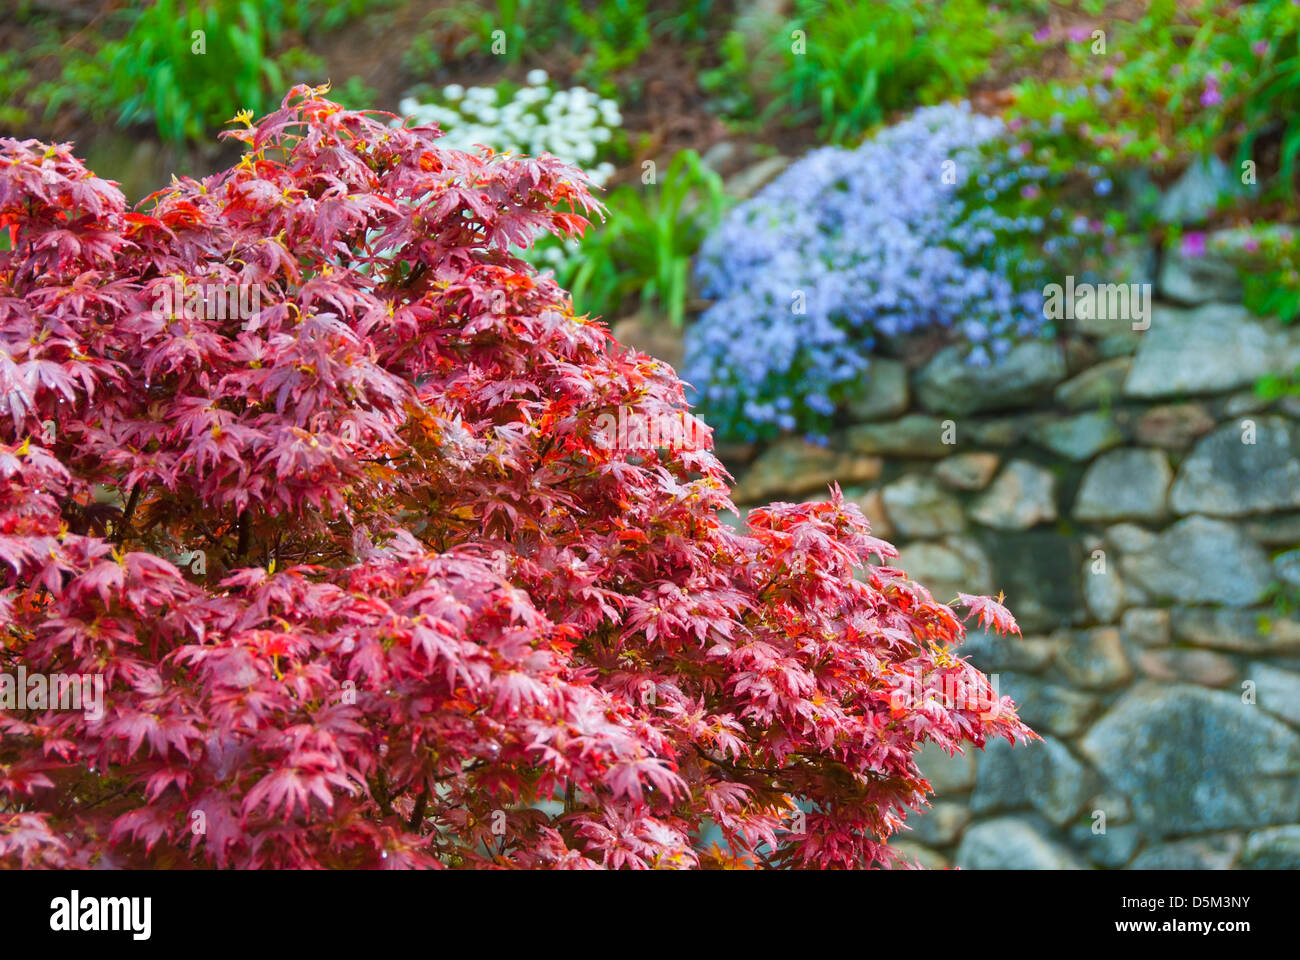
[851,249]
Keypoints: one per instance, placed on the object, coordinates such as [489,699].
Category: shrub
[1182,81]
[640,256]
[365,585]
[161,71]
[844,247]
[860,60]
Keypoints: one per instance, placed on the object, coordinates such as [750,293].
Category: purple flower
[848,246]
[1043,34]
[1078,34]
[1259,48]
[1194,245]
[1211,95]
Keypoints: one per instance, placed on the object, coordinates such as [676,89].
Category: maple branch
[242,547]
[132,499]
[417,815]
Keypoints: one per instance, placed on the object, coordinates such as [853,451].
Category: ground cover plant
[848,246]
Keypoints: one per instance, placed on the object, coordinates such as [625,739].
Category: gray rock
[882,392]
[1204,279]
[755,176]
[791,467]
[1133,262]
[1021,496]
[923,855]
[1277,848]
[1128,484]
[1200,560]
[1239,404]
[911,436]
[1287,567]
[1277,691]
[1195,760]
[1195,195]
[992,652]
[1043,775]
[1012,843]
[872,505]
[1212,349]
[920,507]
[940,825]
[1240,631]
[1111,849]
[1039,570]
[1199,853]
[1094,659]
[1103,592]
[951,386]
[1005,431]
[1048,707]
[1114,805]
[968,471]
[1173,426]
[957,565]
[1130,538]
[1080,437]
[1275,530]
[1097,386]
[1225,477]
[1145,627]
[947,774]
[1204,667]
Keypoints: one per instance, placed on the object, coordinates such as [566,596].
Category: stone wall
[1140,507]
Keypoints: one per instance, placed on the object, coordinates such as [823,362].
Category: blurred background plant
[639,258]
[181,64]
[851,246]
[849,64]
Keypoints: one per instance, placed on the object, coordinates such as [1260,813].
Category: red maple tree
[365,584]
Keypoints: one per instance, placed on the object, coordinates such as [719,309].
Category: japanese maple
[365,583]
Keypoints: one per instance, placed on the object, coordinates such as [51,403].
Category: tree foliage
[435,618]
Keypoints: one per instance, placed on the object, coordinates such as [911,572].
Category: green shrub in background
[188,66]
[859,60]
[641,255]
[1183,81]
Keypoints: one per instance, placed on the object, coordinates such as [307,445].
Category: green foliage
[606,36]
[1182,81]
[188,66]
[728,84]
[14,78]
[865,59]
[641,254]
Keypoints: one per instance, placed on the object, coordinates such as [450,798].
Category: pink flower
[1043,35]
[1078,34]
[1259,48]
[1251,244]
[1211,96]
[1194,245]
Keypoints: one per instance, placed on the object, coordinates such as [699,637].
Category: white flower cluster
[570,125]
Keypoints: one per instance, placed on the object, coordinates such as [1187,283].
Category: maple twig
[241,548]
[132,499]
[417,815]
